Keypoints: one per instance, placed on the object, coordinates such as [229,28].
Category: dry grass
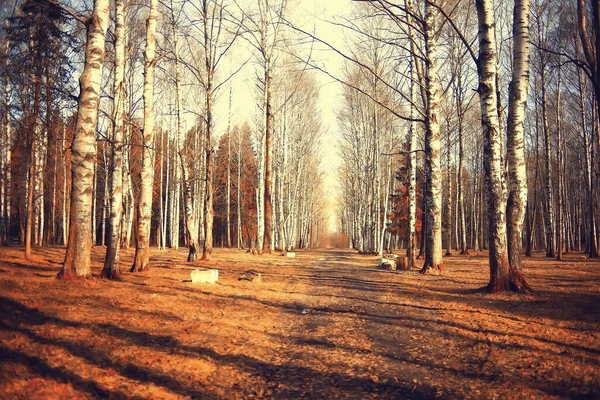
[325,324]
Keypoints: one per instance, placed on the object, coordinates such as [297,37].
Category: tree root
[515,282]
[429,270]
[112,275]
[70,277]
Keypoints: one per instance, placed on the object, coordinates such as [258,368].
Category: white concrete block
[290,255]
[208,276]
[387,263]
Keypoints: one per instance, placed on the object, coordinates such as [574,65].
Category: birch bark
[517,172]
[78,254]
[144,206]
[502,276]
[433,184]
[111,266]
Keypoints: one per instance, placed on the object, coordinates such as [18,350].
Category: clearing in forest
[326,324]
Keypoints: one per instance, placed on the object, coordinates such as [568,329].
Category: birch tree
[502,275]
[263,30]
[144,206]
[217,36]
[78,254]
[517,173]
[111,267]
[433,178]
[5,139]
[191,226]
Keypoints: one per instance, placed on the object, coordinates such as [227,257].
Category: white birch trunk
[144,214]
[161,203]
[228,200]
[412,156]
[78,254]
[111,266]
[64,188]
[167,193]
[433,193]
[559,203]
[239,182]
[549,209]
[501,276]
[6,155]
[190,217]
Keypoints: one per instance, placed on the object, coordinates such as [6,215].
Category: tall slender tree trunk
[433,184]
[111,266]
[282,221]
[549,209]
[260,195]
[502,276]
[559,203]
[144,213]
[176,203]
[239,190]
[48,165]
[6,156]
[517,172]
[386,195]
[165,214]
[191,227]
[228,200]
[591,232]
[268,210]
[412,167]
[78,254]
[105,197]
[94,196]
[208,200]
[161,208]
[64,221]
[460,181]
[448,202]
[57,156]
[31,175]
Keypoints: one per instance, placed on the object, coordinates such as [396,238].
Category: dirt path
[325,324]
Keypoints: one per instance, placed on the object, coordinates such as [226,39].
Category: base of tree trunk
[448,253]
[193,253]
[112,275]
[515,283]
[429,270]
[71,277]
[465,253]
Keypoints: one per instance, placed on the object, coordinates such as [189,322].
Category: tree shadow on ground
[17,316]
[62,375]
[291,380]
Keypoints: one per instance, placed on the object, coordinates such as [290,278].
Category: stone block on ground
[387,263]
[208,276]
[290,254]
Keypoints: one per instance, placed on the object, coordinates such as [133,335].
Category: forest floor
[326,324]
